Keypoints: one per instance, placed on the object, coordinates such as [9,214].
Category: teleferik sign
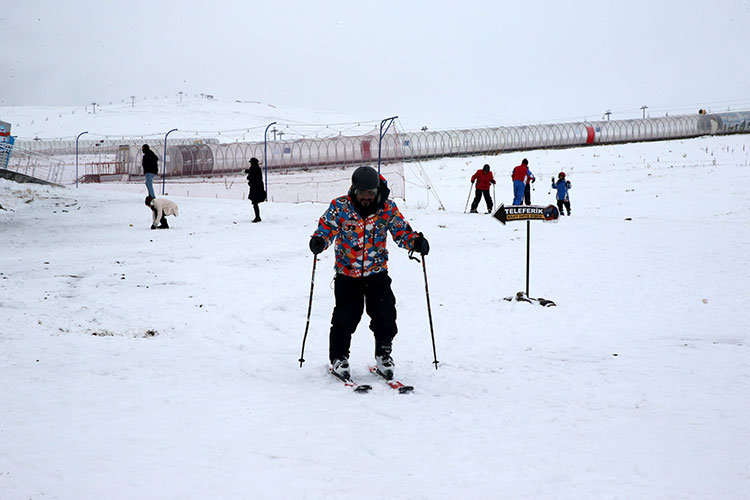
[528,213]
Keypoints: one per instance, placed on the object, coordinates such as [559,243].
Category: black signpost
[528,213]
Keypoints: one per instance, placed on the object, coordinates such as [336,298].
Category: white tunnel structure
[212,158]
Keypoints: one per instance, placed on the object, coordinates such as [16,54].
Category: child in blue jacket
[563,187]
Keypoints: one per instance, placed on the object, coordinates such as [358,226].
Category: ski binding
[392,383]
[348,382]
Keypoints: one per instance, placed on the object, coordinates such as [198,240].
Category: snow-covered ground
[164,364]
[225,120]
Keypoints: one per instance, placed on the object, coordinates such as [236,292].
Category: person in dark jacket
[359,223]
[563,197]
[484,178]
[150,168]
[257,193]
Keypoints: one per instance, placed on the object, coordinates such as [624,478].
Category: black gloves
[421,245]
[317,244]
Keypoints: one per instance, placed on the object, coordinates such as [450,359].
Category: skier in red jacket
[521,188]
[484,178]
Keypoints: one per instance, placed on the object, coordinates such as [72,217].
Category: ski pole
[429,309]
[493,195]
[309,310]
[467,198]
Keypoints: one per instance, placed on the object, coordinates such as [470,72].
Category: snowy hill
[191,115]
[163,364]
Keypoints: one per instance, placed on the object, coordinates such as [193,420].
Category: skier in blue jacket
[563,187]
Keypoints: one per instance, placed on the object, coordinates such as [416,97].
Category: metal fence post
[79,135]
[265,154]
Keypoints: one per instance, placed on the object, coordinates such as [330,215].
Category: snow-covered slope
[163,364]
[193,116]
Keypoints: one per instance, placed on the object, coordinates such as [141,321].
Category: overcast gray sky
[518,62]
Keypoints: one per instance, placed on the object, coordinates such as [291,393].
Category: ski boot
[384,361]
[340,368]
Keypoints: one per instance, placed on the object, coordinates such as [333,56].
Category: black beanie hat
[365,178]
[486,168]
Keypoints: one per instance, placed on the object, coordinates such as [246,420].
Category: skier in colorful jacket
[359,223]
[483,178]
[521,176]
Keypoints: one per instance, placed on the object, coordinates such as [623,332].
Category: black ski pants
[353,295]
[163,224]
[560,204]
[478,196]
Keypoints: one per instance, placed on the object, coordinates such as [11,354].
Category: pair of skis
[394,384]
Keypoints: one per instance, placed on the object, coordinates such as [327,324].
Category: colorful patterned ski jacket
[360,243]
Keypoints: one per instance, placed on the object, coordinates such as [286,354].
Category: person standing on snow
[359,223]
[150,168]
[527,188]
[160,208]
[521,176]
[257,193]
[563,187]
[484,178]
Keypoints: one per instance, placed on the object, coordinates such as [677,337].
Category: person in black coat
[150,168]
[257,188]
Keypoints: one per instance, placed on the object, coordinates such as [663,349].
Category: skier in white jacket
[160,208]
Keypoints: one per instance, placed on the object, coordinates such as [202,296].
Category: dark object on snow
[522,297]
